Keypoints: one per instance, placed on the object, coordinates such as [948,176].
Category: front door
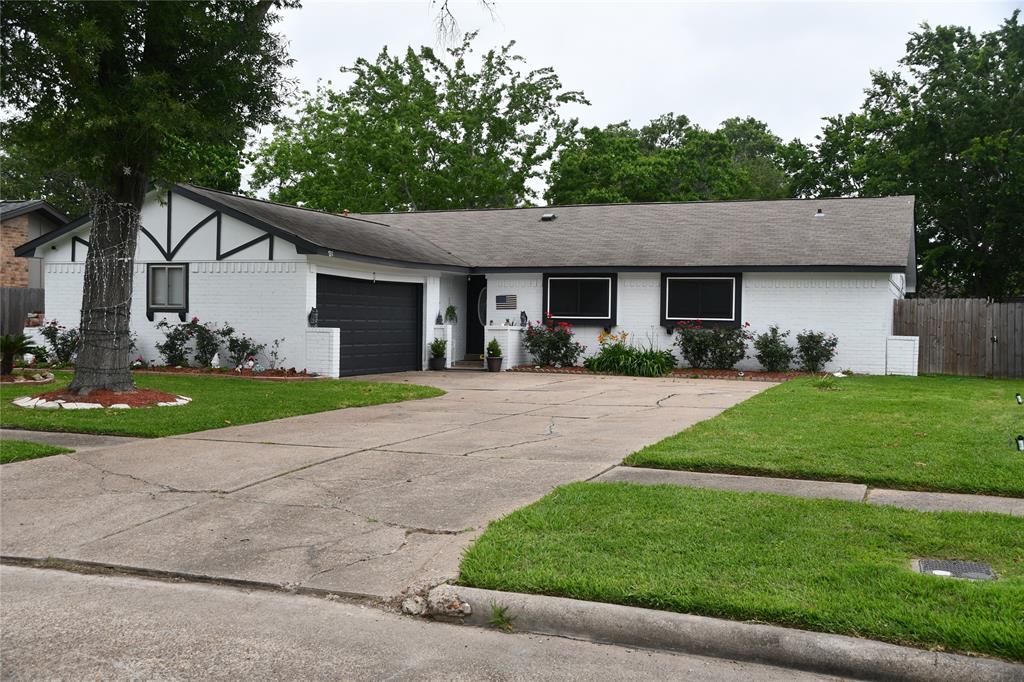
[476,304]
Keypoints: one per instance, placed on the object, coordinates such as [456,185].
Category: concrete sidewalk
[851,492]
[362,501]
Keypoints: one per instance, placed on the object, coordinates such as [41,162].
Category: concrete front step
[469,364]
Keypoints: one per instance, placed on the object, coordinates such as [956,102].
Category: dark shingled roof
[852,232]
[12,208]
[871,234]
[347,235]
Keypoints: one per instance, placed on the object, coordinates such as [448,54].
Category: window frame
[164,308]
[596,321]
[737,299]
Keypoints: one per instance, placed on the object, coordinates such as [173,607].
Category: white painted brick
[322,350]
[901,355]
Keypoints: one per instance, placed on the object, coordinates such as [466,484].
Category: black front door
[476,304]
[380,322]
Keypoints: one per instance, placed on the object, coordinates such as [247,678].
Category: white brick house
[378,282]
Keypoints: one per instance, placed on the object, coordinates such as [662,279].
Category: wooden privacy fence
[15,304]
[966,336]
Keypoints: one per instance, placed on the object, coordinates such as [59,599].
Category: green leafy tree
[422,130]
[671,159]
[123,95]
[948,128]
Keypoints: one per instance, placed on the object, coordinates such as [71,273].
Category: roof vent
[547,217]
[819,214]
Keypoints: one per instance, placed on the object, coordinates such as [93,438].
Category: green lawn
[216,402]
[917,433]
[17,450]
[826,565]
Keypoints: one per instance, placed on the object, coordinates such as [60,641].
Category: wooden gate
[966,336]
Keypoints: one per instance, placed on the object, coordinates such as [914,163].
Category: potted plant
[438,350]
[493,356]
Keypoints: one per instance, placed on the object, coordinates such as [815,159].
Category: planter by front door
[494,364]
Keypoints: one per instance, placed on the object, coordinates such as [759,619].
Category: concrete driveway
[364,501]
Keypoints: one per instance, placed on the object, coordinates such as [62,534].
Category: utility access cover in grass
[952,568]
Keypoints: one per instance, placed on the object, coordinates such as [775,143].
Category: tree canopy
[115,95]
[948,127]
[424,130]
[672,159]
[160,90]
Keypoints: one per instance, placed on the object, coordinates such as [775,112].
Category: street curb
[717,638]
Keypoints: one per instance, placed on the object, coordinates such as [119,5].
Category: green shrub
[774,354]
[438,348]
[63,342]
[13,346]
[240,347]
[717,348]
[618,356]
[493,349]
[815,349]
[174,348]
[552,345]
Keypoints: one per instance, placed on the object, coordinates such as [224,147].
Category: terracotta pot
[436,363]
[494,364]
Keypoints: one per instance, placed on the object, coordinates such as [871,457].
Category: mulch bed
[142,397]
[276,374]
[683,373]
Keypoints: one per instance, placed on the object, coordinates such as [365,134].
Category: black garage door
[381,323]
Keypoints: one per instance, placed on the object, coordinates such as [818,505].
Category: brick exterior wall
[13,270]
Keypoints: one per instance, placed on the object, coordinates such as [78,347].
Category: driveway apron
[362,501]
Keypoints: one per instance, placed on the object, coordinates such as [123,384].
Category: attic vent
[819,214]
[547,217]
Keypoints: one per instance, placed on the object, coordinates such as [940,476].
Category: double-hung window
[167,288]
[708,298]
[581,299]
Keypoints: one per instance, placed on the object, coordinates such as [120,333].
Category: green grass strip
[935,433]
[216,402]
[18,450]
[825,565]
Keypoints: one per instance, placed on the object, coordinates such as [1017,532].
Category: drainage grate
[951,568]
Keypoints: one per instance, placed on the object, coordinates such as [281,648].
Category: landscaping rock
[120,406]
[47,405]
[444,601]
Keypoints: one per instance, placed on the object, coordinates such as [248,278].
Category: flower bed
[278,374]
[22,377]
[64,399]
[679,373]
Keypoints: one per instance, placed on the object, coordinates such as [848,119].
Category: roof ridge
[284,205]
[627,204]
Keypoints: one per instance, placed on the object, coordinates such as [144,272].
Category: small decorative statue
[215,361]
[250,362]
[523,319]
[439,320]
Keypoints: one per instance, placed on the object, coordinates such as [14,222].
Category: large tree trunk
[107,290]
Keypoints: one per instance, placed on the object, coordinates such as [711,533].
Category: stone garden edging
[32,403]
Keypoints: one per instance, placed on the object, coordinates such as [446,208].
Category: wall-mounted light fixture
[313,317]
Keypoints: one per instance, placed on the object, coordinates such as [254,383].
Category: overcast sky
[788,64]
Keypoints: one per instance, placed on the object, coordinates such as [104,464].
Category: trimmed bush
[493,349]
[815,349]
[715,348]
[63,342]
[438,348]
[554,345]
[618,356]
[774,354]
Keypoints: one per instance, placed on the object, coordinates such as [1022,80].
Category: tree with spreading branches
[122,96]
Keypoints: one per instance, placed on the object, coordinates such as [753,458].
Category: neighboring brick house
[354,294]
[22,221]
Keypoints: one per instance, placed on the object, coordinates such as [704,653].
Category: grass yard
[217,402]
[936,433]
[18,450]
[824,565]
